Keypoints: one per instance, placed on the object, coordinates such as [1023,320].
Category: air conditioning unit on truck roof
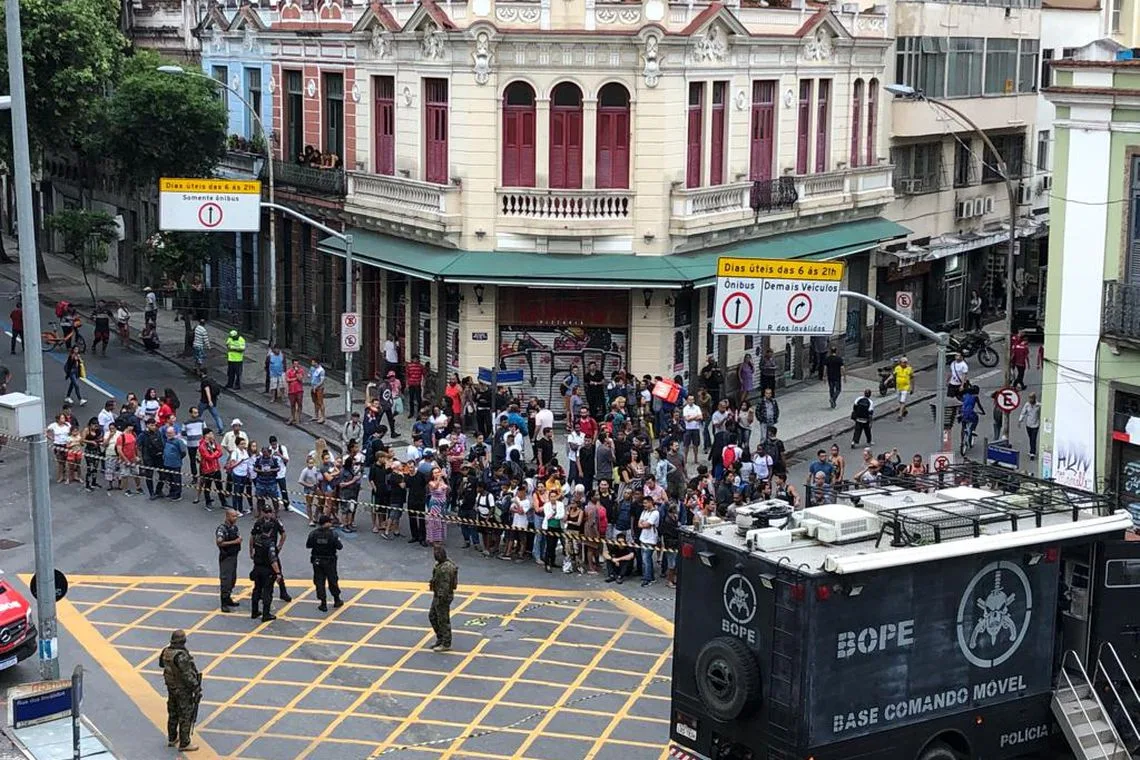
[944,647]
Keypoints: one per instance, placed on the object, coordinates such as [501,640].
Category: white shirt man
[106,418]
[692,414]
[543,419]
[958,371]
[574,441]
[648,522]
[390,354]
[229,440]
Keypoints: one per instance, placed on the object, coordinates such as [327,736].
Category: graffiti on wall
[546,354]
[1073,464]
[452,346]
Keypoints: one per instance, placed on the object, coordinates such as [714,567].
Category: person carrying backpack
[862,414]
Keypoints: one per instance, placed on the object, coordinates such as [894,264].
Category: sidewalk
[805,416]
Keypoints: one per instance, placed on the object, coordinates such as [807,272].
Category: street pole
[349,291]
[349,302]
[940,339]
[268,137]
[33,358]
[906,92]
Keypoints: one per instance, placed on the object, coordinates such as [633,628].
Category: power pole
[33,357]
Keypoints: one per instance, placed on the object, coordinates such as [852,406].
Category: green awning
[609,270]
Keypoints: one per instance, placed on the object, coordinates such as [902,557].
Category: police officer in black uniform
[323,544]
[266,569]
[277,529]
[228,538]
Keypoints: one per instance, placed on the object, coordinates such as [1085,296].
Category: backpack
[603,522]
[504,507]
[861,410]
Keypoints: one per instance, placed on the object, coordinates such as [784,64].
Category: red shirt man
[294,379]
[414,373]
[1019,351]
[17,318]
[588,425]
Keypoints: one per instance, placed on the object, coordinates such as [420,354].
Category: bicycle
[967,439]
[51,341]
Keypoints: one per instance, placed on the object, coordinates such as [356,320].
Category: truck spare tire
[728,678]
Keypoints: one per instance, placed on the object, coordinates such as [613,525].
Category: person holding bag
[554,514]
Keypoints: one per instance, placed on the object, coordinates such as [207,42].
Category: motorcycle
[887,377]
[972,343]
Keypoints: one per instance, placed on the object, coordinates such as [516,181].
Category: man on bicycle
[968,412]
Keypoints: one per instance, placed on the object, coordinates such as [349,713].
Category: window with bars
[385,124]
[1027,66]
[435,131]
[1001,66]
[763,136]
[693,146]
[918,168]
[334,114]
[964,62]
[964,172]
[803,127]
[823,126]
[1012,150]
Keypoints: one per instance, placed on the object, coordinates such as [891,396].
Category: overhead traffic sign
[776,297]
[209,205]
[1007,399]
[349,332]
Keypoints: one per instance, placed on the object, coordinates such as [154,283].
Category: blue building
[236,54]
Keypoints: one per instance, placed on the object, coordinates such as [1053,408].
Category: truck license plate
[5,664]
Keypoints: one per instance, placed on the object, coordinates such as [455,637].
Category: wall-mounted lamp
[479,289]
[647,294]
[670,301]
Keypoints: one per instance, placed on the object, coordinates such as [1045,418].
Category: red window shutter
[872,120]
[385,130]
[435,122]
[803,127]
[574,148]
[694,146]
[557,148]
[823,126]
[763,130]
[604,162]
[526,147]
[621,149]
[612,166]
[511,162]
[716,157]
[856,121]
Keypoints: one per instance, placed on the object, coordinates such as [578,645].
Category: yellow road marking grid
[533,674]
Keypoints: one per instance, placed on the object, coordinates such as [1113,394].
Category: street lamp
[269,161]
[909,93]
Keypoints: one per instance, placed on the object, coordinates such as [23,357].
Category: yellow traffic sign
[779,269]
[172,185]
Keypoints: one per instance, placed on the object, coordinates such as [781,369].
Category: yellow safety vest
[235,349]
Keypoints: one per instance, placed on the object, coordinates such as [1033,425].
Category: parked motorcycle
[887,377]
[978,343]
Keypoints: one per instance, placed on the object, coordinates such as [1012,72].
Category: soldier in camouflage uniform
[444,579]
[184,691]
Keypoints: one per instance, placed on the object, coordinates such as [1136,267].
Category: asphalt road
[132,536]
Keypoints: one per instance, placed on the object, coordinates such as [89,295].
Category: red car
[17,630]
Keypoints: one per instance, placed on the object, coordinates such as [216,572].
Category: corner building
[536,184]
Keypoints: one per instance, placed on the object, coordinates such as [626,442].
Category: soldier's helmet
[177,638]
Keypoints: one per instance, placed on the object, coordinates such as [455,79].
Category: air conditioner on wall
[964,209]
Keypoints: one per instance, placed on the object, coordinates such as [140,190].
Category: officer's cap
[233,333]
[178,637]
[267,508]
[324,519]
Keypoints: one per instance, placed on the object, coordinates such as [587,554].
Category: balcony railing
[313,179]
[565,204]
[1121,317]
[404,200]
[239,162]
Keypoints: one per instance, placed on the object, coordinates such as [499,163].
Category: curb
[819,435]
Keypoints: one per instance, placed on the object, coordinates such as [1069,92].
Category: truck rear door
[1116,599]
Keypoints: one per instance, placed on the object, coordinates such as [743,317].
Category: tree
[86,235]
[73,50]
[179,256]
[163,125]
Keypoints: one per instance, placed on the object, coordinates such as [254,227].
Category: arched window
[566,136]
[872,120]
[518,135]
[856,121]
[612,166]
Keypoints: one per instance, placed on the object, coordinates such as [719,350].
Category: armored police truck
[972,614]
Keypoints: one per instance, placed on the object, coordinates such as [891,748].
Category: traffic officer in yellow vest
[235,355]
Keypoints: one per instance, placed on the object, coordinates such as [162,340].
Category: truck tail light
[688,551]
[823,593]
[797,592]
[1052,554]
